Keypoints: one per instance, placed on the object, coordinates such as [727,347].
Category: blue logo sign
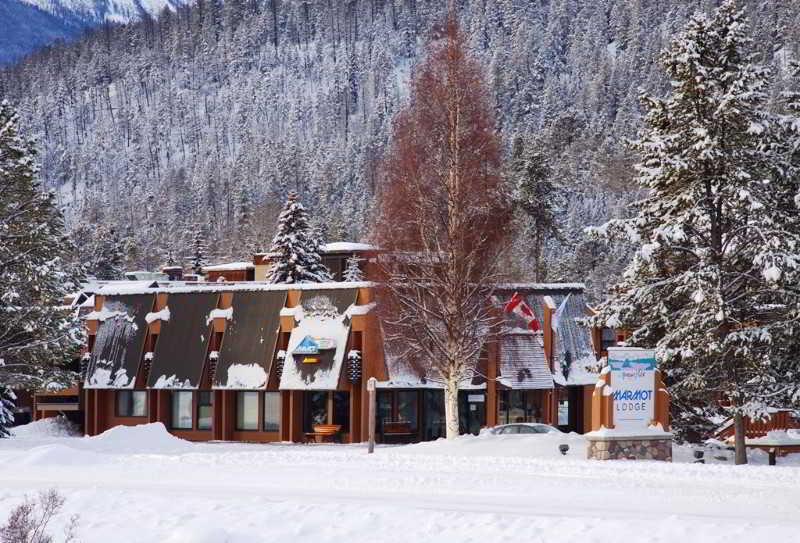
[307,346]
[648,363]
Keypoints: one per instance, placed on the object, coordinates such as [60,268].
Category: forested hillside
[28,24]
[204,119]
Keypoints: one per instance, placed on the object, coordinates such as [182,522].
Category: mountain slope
[205,119]
[26,25]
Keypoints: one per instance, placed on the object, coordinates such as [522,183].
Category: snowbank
[505,446]
[50,427]
[775,437]
[150,438]
[58,455]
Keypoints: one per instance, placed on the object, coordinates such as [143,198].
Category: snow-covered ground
[141,484]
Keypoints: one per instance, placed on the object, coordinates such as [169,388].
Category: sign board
[563,413]
[633,382]
[313,345]
[475,398]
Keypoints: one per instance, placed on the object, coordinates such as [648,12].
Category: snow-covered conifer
[199,256]
[37,336]
[713,285]
[295,250]
[535,197]
[353,271]
[7,398]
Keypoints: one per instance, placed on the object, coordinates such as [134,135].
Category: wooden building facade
[260,363]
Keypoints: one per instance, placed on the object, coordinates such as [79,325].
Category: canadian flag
[517,305]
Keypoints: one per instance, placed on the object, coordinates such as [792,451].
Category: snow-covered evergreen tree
[535,197]
[352,271]
[713,285]
[295,250]
[37,337]
[199,256]
[99,250]
[7,399]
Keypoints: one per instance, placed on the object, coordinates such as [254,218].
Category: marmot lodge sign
[633,384]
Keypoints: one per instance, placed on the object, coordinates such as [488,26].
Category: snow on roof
[540,286]
[231,286]
[523,364]
[324,373]
[360,309]
[230,266]
[346,246]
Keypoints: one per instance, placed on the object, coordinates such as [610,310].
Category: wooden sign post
[371,382]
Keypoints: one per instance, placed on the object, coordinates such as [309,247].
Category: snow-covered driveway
[144,485]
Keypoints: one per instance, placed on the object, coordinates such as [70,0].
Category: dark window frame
[242,393]
[200,403]
[174,394]
[129,404]
[271,427]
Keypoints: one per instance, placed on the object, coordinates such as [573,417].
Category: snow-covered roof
[244,286]
[230,266]
[346,246]
[540,286]
[523,364]
[299,373]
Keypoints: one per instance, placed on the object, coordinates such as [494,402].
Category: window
[272,411]
[182,409]
[204,410]
[131,403]
[315,410]
[341,410]
[407,408]
[247,410]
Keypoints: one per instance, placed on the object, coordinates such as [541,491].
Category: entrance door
[471,411]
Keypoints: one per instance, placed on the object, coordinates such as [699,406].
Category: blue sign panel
[307,346]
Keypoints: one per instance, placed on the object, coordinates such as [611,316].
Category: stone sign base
[630,448]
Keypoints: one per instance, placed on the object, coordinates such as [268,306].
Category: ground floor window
[205,411]
[315,409]
[131,403]
[433,425]
[182,410]
[247,410]
[398,414]
[519,406]
[341,409]
[272,411]
[471,411]
[323,407]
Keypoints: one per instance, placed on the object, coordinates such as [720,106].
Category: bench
[775,449]
[323,433]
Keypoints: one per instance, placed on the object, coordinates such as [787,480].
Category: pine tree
[7,398]
[295,248]
[37,337]
[535,195]
[713,285]
[199,258]
[353,273]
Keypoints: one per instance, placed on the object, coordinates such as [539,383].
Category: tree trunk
[451,407]
[738,427]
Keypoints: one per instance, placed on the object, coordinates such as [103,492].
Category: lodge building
[250,361]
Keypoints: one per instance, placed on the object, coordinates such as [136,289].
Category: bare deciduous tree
[28,522]
[443,220]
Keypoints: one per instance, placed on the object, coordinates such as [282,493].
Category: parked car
[525,428]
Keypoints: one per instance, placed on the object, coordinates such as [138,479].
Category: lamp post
[371,382]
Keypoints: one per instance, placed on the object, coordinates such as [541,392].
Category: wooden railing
[779,420]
